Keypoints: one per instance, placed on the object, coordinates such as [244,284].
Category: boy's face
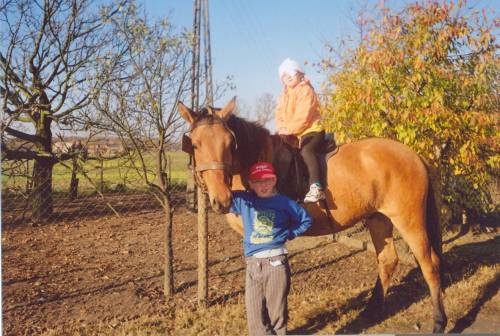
[291,81]
[264,187]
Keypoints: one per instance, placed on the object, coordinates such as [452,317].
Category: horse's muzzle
[220,207]
[219,192]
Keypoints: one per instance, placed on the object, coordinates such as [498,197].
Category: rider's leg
[309,144]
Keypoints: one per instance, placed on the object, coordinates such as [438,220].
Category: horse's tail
[433,218]
[433,224]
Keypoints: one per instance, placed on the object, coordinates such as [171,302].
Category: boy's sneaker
[315,194]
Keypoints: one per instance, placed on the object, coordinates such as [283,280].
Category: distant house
[94,146]
[105,147]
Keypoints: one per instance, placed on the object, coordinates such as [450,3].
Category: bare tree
[140,108]
[264,108]
[48,56]
[243,109]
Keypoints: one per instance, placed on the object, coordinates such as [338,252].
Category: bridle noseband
[197,169]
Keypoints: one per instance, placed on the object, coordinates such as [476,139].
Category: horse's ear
[225,113]
[186,112]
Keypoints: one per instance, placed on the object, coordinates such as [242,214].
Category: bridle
[197,169]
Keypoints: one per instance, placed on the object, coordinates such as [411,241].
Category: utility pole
[191,192]
[195,78]
[209,93]
[200,7]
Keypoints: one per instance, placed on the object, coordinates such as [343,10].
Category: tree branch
[22,135]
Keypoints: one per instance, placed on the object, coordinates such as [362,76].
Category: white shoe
[314,195]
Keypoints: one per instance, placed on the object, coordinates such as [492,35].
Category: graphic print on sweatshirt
[263,227]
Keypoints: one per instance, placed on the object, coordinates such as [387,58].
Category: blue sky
[251,38]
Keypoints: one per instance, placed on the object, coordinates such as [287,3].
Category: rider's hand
[283,131]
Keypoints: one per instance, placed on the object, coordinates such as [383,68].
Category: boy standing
[269,220]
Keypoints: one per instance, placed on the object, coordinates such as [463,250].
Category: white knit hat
[289,67]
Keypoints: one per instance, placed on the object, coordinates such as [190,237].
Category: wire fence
[91,187]
[95,186]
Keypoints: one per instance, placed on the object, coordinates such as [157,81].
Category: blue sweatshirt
[268,222]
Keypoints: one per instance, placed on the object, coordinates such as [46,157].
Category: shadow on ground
[463,261]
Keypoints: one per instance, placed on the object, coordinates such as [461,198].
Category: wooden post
[201,7]
[191,196]
[101,174]
[190,189]
[73,185]
[29,178]
[202,249]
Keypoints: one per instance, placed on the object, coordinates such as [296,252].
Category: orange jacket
[297,109]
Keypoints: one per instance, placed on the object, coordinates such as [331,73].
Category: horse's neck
[267,152]
[284,158]
[240,172]
[278,146]
[289,167]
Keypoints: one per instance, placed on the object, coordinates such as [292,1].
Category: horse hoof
[438,330]
[439,327]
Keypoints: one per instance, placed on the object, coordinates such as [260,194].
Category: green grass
[114,172]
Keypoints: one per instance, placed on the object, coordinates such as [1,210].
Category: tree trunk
[42,206]
[202,250]
[168,282]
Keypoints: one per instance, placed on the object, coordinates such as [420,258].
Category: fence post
[73,185]
[190,189]
[202,249]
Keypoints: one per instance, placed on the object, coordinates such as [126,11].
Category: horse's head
[212,145]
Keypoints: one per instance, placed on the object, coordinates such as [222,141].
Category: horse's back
[377,153]
[373,171]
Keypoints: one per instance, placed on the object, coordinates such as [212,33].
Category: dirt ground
[109,270]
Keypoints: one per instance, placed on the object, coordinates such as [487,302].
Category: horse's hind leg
[415,234]
[381,232]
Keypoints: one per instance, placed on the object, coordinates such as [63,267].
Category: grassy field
[114,173]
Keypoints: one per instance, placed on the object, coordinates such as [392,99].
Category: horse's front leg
[235,222]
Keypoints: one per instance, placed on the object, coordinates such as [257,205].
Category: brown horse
[379,180]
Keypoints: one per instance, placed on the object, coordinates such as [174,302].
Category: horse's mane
[251,140]
[250,136]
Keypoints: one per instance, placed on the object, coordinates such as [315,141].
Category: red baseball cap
[262,170]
